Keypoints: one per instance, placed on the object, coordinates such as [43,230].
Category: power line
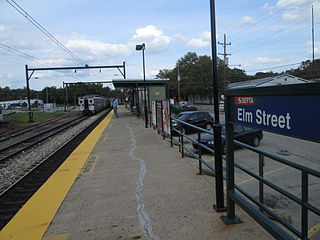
[20,53]
[43,30]
[271,25]
[261,19]
[287,65]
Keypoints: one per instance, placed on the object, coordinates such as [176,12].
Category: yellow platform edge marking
[31,222]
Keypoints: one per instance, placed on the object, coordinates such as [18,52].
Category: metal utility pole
[219,206]
[225,54]
[312,34]
[47,94]
[179,79]
[28,93]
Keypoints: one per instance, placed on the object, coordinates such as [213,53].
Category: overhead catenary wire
[43,30]
[20,53]
[18,8]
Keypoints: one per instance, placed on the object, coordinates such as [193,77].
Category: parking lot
[296,150]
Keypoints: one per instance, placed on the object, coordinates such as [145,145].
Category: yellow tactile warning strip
[31,222]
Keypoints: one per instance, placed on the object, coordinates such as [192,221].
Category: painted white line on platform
[145,223]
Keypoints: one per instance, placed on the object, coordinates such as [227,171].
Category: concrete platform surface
[135,186]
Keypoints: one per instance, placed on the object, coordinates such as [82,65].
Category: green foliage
[265,74]
[196,75]
[307,70]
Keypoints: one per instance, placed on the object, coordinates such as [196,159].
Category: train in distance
[92,104]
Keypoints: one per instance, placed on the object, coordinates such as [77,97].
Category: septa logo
[243,100]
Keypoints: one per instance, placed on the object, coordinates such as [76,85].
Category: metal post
[261,165]
[179,79]
[231,218]
[67,99]
[312,23]
[219,206]
[124,70]
[138,102]
[200,152]
[182,147]
[171,140]
[144,88]
[304,208]
[28,95]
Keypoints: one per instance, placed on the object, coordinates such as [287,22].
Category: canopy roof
[132,83]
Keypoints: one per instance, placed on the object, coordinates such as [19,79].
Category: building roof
[282,79]
[132,83]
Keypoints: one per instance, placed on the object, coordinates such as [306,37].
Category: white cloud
[154,38]
[316,48]
[197,43]
[98,48]
[206,35]
[2,28]
[6,79]
[267,6]
[292,8]
[179,38]
[267,60]
[247,19]
[285,3]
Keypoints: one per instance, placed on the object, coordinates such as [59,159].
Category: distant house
[283,79]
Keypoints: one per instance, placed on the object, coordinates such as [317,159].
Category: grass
[22,119]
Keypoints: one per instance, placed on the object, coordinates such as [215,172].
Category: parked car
[241,133]
[187,106]
[201,119]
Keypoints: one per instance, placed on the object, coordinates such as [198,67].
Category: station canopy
[133,83]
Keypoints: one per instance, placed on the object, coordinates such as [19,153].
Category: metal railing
[262,214]
[182,146]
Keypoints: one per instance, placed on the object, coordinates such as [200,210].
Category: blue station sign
[296,116]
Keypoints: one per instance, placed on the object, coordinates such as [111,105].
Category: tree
[307,70]
[265,74]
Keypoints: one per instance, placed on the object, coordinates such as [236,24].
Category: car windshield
[223,128]
[189,103]
[183,117]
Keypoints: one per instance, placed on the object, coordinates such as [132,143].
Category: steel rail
[55,131]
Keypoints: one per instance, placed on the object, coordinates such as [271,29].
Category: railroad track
[18,193]
[12,133]
[26,140]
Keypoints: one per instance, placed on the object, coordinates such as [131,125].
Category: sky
[263,35]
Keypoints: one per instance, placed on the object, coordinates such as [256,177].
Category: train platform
[125,182]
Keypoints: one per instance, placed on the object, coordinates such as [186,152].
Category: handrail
[280,159]
[303,201]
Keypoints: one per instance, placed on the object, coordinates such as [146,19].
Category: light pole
[219,206]
[138,48]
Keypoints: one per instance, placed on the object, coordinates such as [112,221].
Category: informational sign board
[296,116]
[166,117]
[154,114]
